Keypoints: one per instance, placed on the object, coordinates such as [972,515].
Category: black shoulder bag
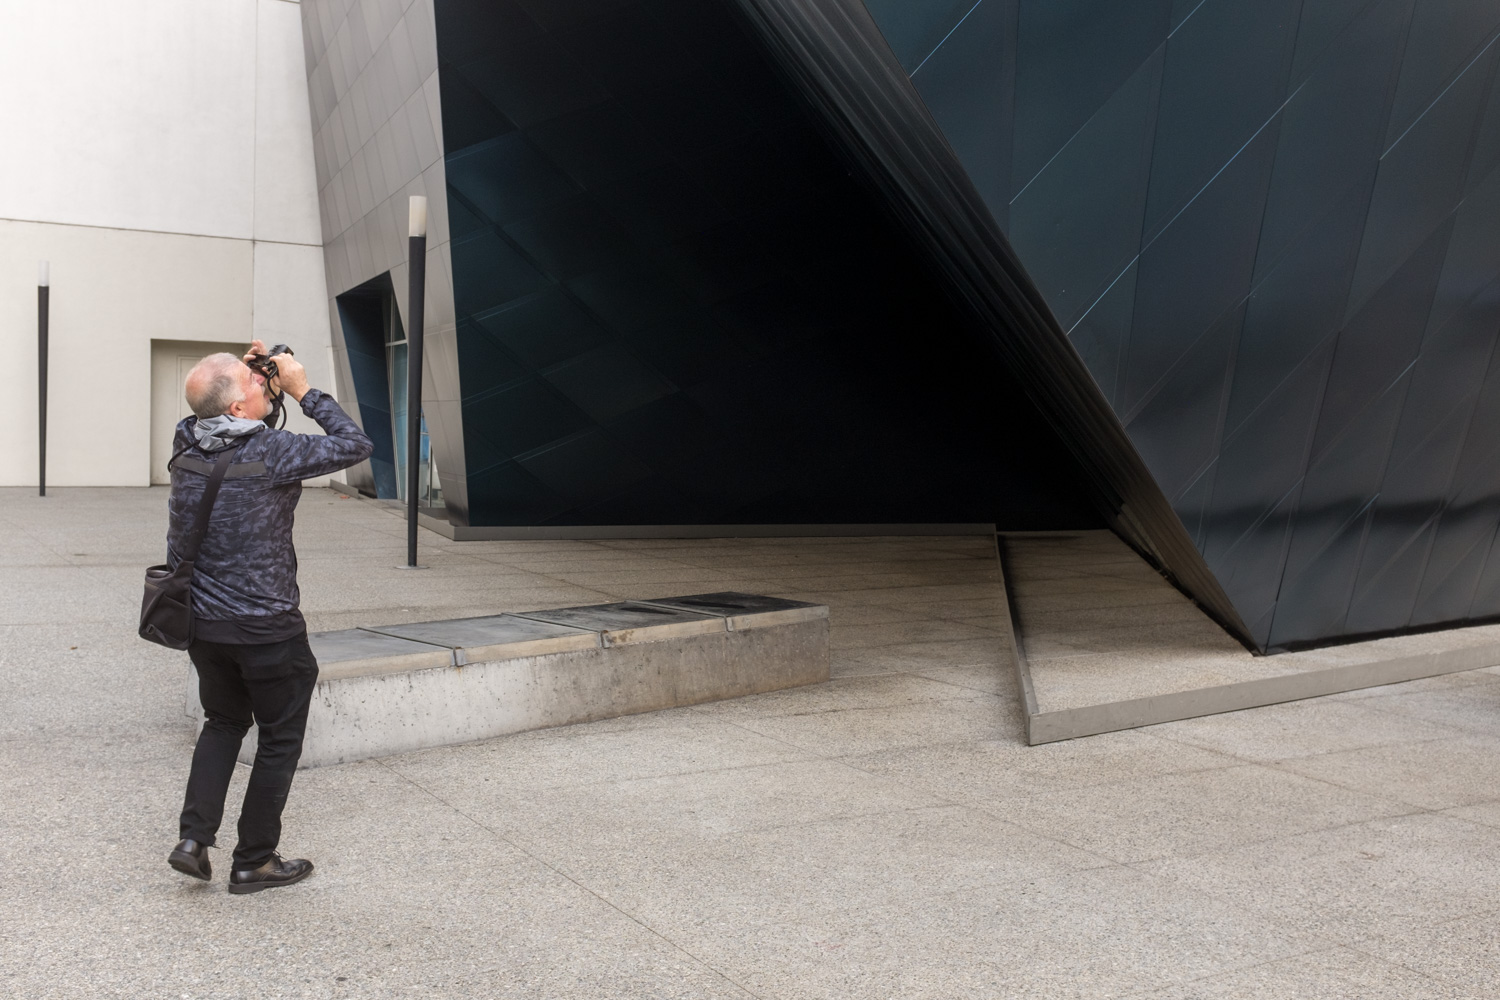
[167,607]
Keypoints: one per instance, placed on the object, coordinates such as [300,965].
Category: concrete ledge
[395,688]
[1083,683]
[1067,724]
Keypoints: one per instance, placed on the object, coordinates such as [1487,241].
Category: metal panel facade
[675,306]
[1272,230]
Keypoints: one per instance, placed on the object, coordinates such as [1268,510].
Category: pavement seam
[1181,741]
[1242,844]
[1448,811]
[966,687]
[808,758]
[1238,844]
[1225,973]
[1393,796]
[564,875]
[1440,978]
[975,696]
[1355,946]
[1232,762]
[1468,729]
[905,746]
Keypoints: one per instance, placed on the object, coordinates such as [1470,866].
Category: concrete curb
[1109,717]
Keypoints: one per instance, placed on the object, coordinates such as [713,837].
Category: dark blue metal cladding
[1271,229]
[674,306]
[366,313]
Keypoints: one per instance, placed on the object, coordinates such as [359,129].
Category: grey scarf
[218,433]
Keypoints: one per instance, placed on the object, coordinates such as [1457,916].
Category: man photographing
[249,641]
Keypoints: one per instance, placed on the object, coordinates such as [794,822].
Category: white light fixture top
[418,216]
[43,273]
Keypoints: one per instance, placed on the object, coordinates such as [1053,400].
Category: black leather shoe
[269,875]
[191,858]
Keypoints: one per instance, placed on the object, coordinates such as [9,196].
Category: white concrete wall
[159,154]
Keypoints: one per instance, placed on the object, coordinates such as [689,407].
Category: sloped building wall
[1272,230]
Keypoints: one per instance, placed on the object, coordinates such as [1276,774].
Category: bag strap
[187,447]
[179,454]
[210,493]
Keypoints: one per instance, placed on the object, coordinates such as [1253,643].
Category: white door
[171,360]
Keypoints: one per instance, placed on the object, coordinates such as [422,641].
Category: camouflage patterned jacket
[247,568]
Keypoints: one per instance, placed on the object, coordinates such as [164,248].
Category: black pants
[273,684]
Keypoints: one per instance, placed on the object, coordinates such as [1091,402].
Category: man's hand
[291,377]
[256,347]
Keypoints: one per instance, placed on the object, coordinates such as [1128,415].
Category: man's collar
[218,433]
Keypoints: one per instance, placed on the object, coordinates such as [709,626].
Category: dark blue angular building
[1221,275]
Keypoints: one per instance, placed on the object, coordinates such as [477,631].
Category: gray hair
[213,386]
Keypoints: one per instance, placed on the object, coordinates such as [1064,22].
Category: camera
[263,364]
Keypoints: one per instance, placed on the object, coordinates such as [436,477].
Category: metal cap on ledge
[745,611]
[357,652]
[496,637]
[633,621]
[386,649]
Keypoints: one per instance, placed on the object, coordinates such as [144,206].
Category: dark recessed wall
[367,314]
[674,305]
[1272,229]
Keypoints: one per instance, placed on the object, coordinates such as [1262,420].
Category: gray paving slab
[1462,954]
[342,932]
[95,679]
[854,615]
[1179,815]
[1093,933]
[916,857]
[1434,773]
[863,730]
[869,837]
[1383,877]
[1001,772]
[981,653]
[1301,729]
[992,677]
[907,633]
[1472,707]
[623,749]
[636,576]
[877,691]
[558,823]
[1487,813]
[1333,973]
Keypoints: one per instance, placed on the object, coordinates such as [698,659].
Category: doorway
[376,348]
[171,360]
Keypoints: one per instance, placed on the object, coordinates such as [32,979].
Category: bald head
[215,384]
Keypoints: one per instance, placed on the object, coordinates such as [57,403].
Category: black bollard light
[416,292]
[43,292]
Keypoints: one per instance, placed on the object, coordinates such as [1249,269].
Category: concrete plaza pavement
[888,834]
